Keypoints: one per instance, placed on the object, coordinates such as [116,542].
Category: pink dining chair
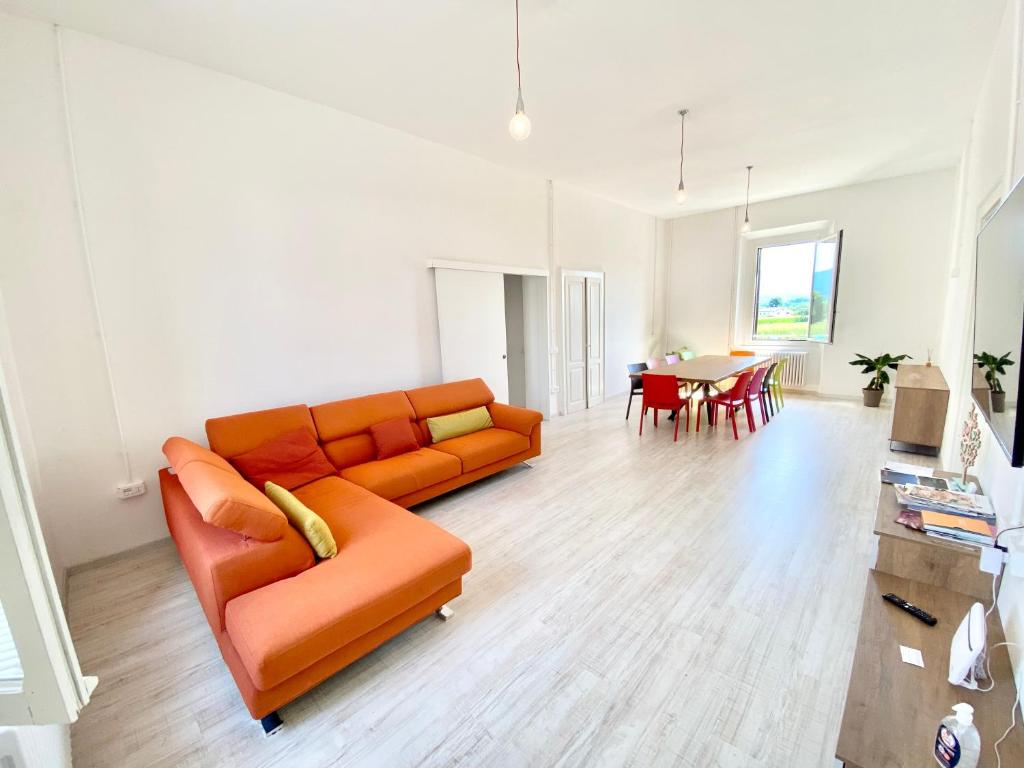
[670,359]
[654,362]
[755,393]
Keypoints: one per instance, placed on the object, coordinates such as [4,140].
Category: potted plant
[879,376]
[995,367]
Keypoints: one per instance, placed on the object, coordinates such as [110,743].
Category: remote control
[910,608]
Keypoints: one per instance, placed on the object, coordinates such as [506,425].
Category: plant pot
[998,401]
[872,397]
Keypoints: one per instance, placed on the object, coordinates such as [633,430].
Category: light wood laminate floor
[633,602]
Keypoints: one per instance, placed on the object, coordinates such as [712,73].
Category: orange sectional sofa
[284,621]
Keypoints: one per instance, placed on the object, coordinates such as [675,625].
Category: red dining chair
[662,393]
[655,362]
[755,393]
[731,400]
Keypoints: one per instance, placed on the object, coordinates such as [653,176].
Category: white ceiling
[813,93]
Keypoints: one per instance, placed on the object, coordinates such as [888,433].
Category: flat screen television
[999,324]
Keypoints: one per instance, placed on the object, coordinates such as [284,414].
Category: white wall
[597,235]
[991,164]
[891,283]
[250,249]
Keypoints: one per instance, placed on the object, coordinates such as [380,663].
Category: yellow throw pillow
[304,520]
[457,424]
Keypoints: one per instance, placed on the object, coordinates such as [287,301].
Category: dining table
[706,371]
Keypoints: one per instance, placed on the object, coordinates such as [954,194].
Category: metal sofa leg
[444,612]
[272,723]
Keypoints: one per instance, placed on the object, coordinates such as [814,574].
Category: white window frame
[53,689]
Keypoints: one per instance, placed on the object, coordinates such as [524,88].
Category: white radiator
[794,372]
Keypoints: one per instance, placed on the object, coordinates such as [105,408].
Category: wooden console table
[919,416]
[892,708]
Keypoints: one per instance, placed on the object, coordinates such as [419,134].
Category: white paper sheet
[912,656]
[909,469]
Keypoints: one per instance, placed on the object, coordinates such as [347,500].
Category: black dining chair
[766,389]
[636,385]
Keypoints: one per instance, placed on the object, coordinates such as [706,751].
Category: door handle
[504,357]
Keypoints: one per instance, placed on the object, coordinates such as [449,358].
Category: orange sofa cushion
[286,627]
[442,399]
[180,452]
[288,460]
[485,447]
[231,435]
[344,418]
[404,474]
[225,499]
[394,437]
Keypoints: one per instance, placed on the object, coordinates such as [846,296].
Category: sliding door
[471,324]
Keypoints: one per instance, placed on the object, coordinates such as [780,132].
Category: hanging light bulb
[681,189]
[745,227]
[519,125]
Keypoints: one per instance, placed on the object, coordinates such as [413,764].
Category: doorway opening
[493,324]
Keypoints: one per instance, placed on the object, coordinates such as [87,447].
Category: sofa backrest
[442,399]
[344,425]
[230,436]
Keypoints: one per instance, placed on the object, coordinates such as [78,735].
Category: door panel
[575,344]
[471,322]
[595,341]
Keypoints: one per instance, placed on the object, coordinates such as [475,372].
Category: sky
[786,271]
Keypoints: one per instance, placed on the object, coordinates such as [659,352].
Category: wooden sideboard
[892,708]
[919,416]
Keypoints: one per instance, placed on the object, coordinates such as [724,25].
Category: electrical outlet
[130,490]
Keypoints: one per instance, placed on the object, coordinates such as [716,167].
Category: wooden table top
[920,377]
[893,709]
[707,369]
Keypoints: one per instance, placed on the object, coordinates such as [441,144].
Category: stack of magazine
[967,518]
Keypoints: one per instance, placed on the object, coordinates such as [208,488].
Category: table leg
[707,404]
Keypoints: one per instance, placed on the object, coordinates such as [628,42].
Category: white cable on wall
[86,252]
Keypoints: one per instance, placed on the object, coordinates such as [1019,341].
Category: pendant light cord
[519,73]
[682,141]
[746,207]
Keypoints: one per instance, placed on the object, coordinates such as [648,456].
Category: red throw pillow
[394,437]
[289,460]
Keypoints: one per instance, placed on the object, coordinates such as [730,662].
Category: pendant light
[745,227]
[519,125]
[681,189]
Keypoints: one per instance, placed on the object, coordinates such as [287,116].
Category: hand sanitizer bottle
[957,744]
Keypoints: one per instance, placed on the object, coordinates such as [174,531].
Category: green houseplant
[994,368]
[879,375]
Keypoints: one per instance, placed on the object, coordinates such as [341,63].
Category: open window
[796,287]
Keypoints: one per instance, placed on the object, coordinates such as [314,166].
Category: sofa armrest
[514,418]
[221,563]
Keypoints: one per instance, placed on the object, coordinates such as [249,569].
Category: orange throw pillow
[289,460]
[224,499]
[394,437]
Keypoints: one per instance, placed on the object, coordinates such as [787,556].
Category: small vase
[872,397]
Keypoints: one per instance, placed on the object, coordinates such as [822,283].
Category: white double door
[583,321]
